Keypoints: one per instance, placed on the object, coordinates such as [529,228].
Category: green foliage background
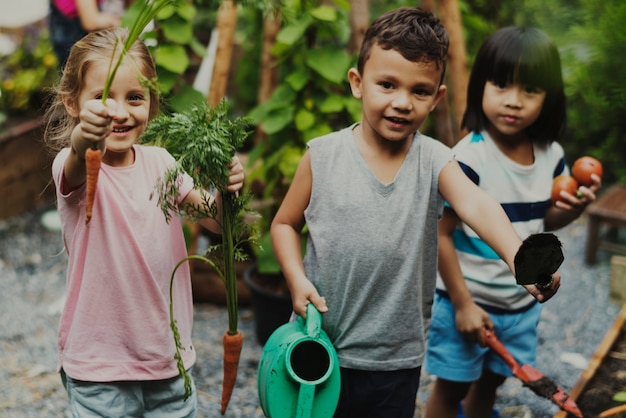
[313,61]
[591,40]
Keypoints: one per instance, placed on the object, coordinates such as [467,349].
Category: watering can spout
[299,370]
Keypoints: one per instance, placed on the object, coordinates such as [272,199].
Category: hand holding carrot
[88,141]
[96,124]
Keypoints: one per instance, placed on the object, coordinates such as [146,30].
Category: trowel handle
[494,343]
[313,321]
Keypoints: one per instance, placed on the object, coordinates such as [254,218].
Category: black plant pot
[271,302]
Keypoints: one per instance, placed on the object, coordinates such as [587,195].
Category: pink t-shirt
[115,324]
[68,7]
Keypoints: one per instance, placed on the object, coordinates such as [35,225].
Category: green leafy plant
[174,44]
[26,73]
[142,12]
[203,142]
[311,100]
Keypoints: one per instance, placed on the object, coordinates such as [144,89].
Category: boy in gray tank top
[371,195]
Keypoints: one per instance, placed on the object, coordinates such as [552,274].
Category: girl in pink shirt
[116,349]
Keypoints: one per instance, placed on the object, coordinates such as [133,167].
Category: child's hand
[96,124]
[303,293]
[235,179]
[582,198]
[543,293]
[470,321]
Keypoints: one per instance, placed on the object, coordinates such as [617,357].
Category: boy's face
[397,95]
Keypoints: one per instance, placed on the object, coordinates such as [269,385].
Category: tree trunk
[441,114]
[427,5]
[457,62]
[226,21]
[268,79]
[359,22]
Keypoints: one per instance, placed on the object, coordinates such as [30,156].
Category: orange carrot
[232,352]
[93,159]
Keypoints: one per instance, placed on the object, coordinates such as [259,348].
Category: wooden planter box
[609,349]
[25,168]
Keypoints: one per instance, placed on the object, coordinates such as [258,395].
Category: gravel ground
[32,270]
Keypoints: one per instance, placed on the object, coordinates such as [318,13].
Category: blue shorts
[450,356]
[151,398]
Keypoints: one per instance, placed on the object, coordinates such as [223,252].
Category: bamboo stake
[226,21]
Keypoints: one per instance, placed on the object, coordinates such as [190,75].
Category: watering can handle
[313,321]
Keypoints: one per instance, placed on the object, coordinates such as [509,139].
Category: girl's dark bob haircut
[519,55]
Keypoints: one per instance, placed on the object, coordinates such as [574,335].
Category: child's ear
[442,91]
[69,106]
[354,77]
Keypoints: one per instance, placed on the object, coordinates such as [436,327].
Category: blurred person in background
[70,20]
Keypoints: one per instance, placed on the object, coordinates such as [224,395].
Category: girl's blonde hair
[95,48]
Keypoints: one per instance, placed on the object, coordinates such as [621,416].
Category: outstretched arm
[486,217]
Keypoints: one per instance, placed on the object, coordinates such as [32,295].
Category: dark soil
[609,379]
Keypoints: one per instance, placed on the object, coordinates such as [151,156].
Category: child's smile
[130,108]
[397,94]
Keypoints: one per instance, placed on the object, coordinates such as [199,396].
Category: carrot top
[203,142]
[141,13]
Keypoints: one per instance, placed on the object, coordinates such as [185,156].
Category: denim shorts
[149,399]
[450,356]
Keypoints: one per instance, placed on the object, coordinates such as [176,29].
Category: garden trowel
[533,378]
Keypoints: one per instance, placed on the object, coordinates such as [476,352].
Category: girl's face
[397,95]
[511,109]
[132,106]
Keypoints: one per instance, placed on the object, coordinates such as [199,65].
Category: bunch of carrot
[203,141]
[143,11]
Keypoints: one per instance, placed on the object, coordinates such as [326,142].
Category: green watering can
[299,370]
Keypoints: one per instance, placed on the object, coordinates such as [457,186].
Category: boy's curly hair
[416,34]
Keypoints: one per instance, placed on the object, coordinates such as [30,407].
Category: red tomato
[584,167]
[563,182]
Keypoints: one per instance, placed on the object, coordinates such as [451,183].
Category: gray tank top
[372,249]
